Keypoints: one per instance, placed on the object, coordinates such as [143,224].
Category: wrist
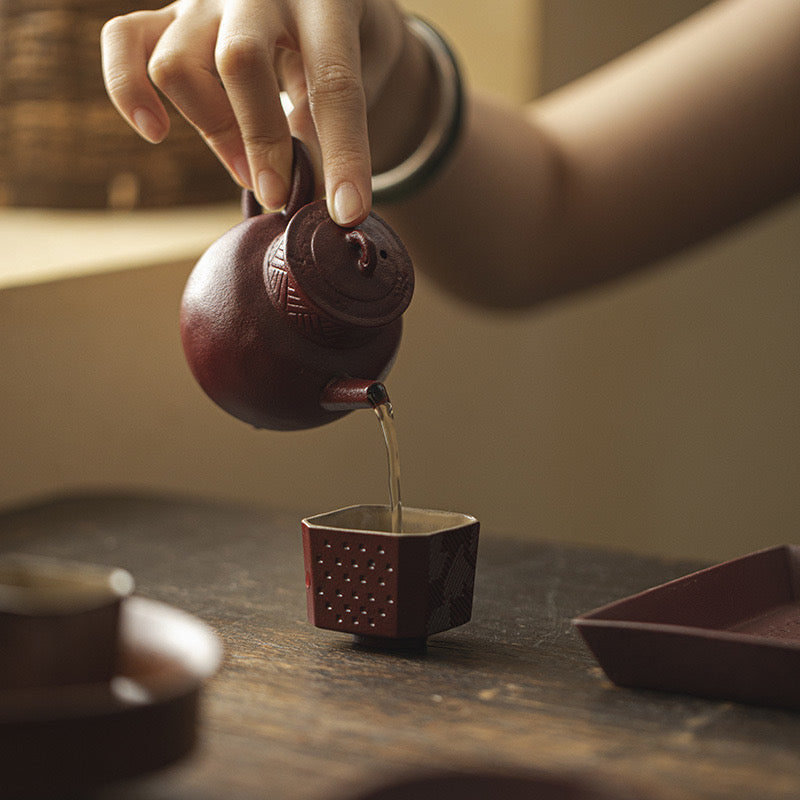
[399,119]
[428,121]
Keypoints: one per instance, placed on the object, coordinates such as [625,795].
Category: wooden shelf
[40,245]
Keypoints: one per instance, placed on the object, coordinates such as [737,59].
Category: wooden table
[298,712]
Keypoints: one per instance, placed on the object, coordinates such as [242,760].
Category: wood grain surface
[298,712]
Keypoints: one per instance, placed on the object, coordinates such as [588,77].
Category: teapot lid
[358,276]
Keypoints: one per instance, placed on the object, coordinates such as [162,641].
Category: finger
[329,41]
[244,58]
[126,43]
[182,67]
[292,79]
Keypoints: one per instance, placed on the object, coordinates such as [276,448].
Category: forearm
[680,139]
[690,134]
[479,226]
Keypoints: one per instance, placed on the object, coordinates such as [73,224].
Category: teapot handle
[301,192]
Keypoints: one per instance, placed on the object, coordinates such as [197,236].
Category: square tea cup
[389,589]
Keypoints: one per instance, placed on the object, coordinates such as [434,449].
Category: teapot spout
[346,394]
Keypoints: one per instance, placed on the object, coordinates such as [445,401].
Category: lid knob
[367,260]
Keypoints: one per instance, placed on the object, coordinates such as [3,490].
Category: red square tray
[731,631]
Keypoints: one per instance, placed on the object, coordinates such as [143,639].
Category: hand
[223,63]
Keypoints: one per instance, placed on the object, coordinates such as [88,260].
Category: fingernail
[149,125]
[347,204]
[242,171]
[272,190]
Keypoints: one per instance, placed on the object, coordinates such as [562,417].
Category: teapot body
[256,348]
[287,317]
[249,355]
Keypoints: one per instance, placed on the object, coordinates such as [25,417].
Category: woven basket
[64,144]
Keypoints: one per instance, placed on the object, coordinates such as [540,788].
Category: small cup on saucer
[59,621]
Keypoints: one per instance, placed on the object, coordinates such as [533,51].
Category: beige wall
[496,41]
[659,414]
[578,35]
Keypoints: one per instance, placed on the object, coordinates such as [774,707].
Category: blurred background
[658,415]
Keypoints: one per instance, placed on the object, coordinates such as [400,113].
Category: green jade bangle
[439,142]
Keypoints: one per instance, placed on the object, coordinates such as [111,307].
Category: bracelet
[439,142]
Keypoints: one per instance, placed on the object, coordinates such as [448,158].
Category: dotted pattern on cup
[354,583]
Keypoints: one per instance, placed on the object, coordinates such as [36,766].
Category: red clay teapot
[290,321]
